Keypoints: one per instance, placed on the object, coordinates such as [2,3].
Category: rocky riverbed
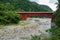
[22,32]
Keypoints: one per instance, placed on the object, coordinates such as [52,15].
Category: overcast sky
[50,3]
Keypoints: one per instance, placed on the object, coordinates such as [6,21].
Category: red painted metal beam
[25,15]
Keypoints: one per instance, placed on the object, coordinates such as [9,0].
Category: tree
[7,14]
[57,15]
[56,29]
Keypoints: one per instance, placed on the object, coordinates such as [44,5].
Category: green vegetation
[35,37]
[26,5]
[57,15]
[56,30]
[9,17]
[7,14]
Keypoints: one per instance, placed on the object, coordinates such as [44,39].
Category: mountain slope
[26,5]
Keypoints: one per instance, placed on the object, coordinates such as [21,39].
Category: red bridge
[25,15]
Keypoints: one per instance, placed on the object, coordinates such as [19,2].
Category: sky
[50,3]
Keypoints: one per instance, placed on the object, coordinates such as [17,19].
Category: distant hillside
[26,5]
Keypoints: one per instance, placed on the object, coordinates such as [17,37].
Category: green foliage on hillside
[26,5]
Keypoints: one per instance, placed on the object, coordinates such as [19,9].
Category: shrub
[9,17]
[57,19]
[35,37]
